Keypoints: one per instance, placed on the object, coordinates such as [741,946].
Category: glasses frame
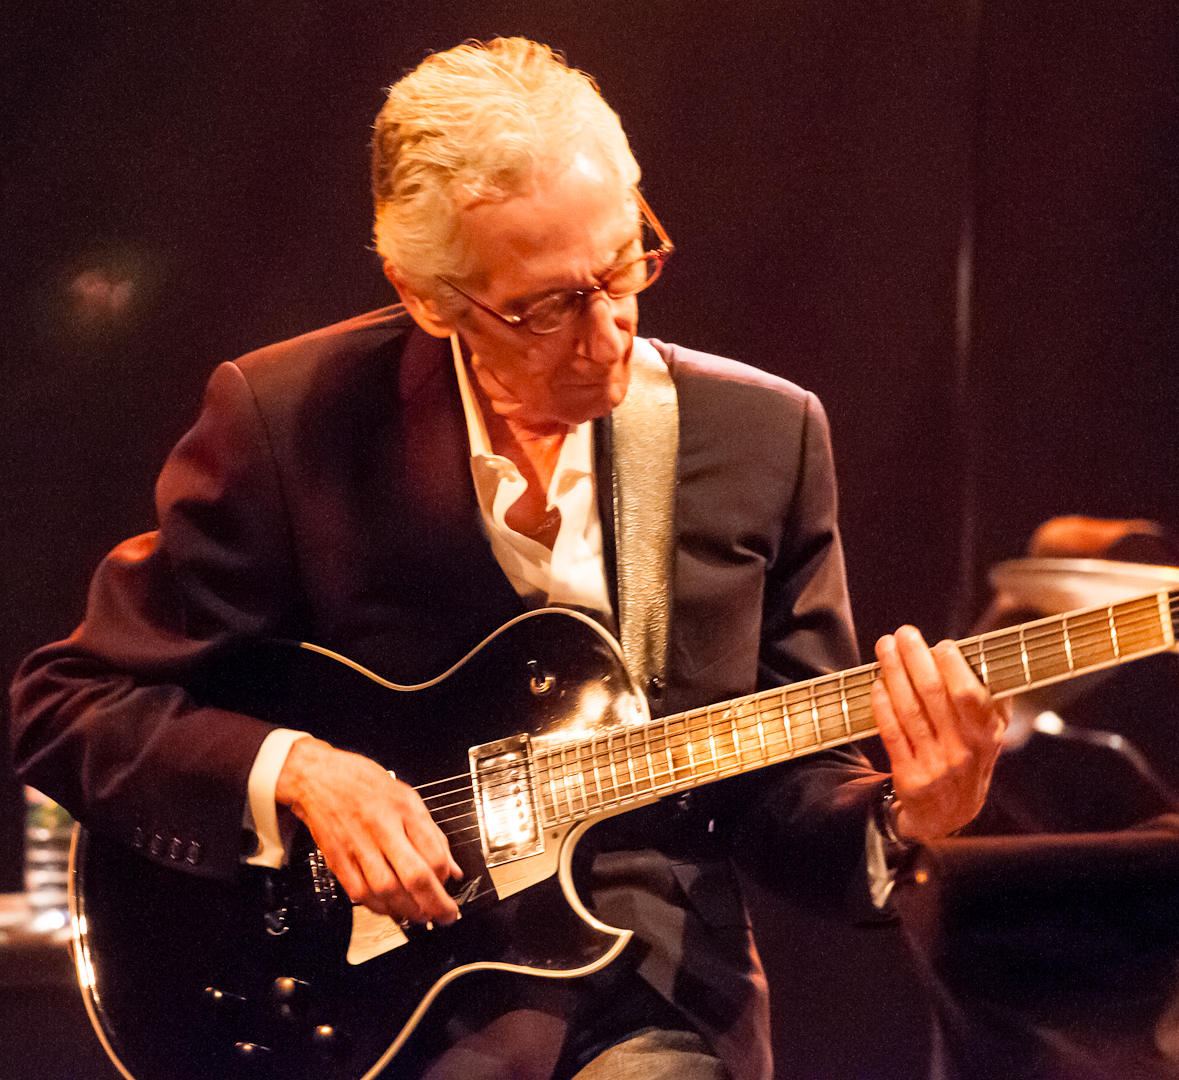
[660,254]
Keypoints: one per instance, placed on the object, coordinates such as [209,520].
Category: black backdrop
[956,221]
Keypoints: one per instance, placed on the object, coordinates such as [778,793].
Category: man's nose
[601,336]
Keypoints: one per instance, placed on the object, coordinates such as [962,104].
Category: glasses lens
[552,312]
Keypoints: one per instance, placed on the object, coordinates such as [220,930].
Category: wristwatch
[896,847]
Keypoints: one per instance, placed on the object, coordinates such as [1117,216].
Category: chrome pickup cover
[504,800]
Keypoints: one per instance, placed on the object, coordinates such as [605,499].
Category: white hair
[478,122]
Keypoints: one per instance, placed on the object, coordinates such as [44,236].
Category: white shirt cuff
[261,814]
[880,878]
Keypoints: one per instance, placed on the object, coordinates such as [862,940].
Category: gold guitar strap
[646,440]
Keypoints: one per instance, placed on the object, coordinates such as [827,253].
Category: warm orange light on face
[565,234]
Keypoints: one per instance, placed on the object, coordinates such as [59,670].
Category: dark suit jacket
[324,494]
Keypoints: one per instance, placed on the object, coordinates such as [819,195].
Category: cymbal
[1054,586]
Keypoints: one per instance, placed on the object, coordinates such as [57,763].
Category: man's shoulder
[362,334]
[688,365]
[713,389]
[370,355]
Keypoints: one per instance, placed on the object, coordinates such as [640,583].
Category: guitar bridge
[504,800]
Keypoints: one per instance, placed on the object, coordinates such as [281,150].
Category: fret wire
[553,788]
[1068,645]
[712,743]
[553,784]
[1165,619]
[784,720]
[550,779]
[581,778]
[630,766]
[1023,656]
[1113,633]
[597,771]
[707,734]
[1135,615]
[568,782]
[651,771]
[534,777]
[843,704]
[554,779]
[551,771]
[613,767]
[693,734]
[1151,627]
[732,715]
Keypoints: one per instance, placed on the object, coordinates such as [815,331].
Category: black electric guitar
[520,747]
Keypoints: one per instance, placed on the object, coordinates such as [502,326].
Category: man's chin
[575,402]
[603,406]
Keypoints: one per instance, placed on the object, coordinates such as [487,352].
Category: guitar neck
[611,772]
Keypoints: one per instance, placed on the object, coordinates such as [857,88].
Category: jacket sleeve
[107,722]
[802,827]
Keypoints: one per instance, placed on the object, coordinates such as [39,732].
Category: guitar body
[190,979]
[517,750]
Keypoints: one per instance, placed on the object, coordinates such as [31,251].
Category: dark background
[958,222]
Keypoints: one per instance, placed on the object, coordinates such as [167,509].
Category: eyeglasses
[552,312]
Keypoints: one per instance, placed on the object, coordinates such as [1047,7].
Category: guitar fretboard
[676,753]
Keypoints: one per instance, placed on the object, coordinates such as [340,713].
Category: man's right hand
[374,831]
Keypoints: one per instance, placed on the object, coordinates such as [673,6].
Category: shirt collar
[576,452]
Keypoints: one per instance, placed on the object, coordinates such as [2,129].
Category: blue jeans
[656,1054]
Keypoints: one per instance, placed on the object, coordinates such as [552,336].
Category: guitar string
[1144,614]
[1007,652]
[1001,657]
[578,799]
[614,748]
[998,657]
[682,737]
[1090,637]
[686,729]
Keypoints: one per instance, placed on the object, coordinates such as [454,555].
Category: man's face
[566,233]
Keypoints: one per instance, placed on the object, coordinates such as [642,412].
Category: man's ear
[422,309]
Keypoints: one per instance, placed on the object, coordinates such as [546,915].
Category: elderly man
[398,486]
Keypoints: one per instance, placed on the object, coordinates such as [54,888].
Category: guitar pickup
[504,800]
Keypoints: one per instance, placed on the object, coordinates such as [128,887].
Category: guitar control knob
[275,922]
[290,989]
[541,682]
[251,1051]
[292,995]
[221,999]
[329,1042]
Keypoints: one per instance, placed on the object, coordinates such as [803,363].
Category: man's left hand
[942,730]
